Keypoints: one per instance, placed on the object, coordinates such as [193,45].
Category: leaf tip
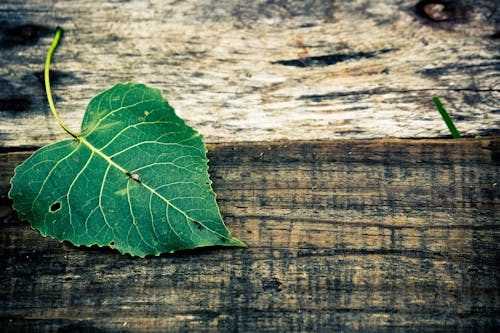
[236,242]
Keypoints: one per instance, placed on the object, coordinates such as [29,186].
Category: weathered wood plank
[390,235]
[258,70]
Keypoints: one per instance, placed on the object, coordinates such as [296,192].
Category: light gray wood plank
[257,70]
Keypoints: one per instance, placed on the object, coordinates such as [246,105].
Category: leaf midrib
[146,186]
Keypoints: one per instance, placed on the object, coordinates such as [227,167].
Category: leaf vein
[105,176]
[71,188]
[149,143]
[134,221]
[50,174]
[109,114]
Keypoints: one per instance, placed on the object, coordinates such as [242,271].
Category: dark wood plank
[387,235]
[257,70]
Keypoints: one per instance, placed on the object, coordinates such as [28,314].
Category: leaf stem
[47,82]
[446,118]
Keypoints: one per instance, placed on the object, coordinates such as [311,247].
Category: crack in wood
[331,59]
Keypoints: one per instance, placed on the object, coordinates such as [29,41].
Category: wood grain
[372,235]
[258,70]
[345,235]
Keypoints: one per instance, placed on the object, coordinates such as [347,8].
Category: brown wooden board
[371,235]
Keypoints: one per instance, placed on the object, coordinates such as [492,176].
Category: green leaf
[135,179]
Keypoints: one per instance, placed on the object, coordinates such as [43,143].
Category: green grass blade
[446,118]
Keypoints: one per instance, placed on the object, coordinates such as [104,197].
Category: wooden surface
[258,70]
[344,235]
[392,235]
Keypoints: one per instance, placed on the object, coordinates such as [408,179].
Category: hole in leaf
[198,225]
[112,243]
[55,207]
[222,239]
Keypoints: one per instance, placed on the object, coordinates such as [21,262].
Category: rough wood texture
[371,235]
[391,235]
[258,70]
